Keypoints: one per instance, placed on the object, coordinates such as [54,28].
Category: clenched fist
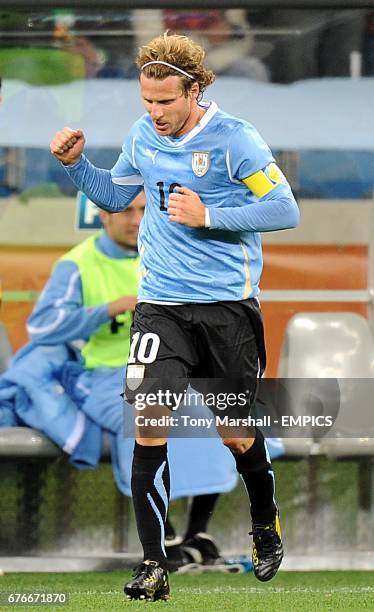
[67,145]
[186,208]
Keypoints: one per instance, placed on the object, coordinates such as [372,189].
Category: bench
[26,453]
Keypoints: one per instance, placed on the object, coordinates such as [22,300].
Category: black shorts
[214,347]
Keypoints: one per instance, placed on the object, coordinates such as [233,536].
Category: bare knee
[238,445]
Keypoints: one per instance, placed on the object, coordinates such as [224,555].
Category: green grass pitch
[288,591]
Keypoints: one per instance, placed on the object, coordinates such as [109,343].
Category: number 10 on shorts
[145,350]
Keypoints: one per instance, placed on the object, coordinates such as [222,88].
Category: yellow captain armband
[264,181]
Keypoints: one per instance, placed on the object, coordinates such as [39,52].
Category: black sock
[150,484]
[254,466]
[201,510]
[169,529]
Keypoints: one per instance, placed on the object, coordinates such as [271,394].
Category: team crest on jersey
[200,162]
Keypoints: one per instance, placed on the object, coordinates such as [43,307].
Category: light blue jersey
[188,265]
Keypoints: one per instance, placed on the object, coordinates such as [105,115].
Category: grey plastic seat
[327,345]
[340,346]
[18,443]
[5,348]
[24,443]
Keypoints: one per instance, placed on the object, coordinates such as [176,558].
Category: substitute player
[212,186]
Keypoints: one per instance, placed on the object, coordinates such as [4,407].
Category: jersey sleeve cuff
[207,217]
[102,314]
[213,221]
[75,166]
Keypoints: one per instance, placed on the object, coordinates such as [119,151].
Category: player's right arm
[59,315]
[101,186]
[67,146]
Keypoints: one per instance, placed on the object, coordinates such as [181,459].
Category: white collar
[212,108]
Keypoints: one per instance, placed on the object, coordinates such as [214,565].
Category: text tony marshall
[189,421]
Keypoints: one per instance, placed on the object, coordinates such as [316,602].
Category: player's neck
[193,119]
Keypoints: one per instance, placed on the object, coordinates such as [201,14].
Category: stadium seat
[336,346]
[291,368]
[5,348]
[352,349]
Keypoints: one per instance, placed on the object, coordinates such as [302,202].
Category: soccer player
[211,186]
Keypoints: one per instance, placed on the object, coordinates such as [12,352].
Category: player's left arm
[275,209]
[250,163]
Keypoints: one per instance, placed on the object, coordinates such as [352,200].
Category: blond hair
[180,51]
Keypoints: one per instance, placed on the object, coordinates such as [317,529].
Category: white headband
[170,66]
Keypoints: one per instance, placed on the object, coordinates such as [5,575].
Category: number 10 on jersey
[161,189]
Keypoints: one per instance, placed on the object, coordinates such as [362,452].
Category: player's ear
[195,90]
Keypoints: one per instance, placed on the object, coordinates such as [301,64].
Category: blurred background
[304,76]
